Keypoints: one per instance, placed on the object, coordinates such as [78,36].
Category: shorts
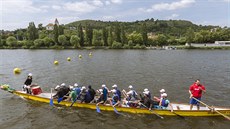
[194,102]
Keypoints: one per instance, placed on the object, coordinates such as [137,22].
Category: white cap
[162,90]
[113,90]
[63,84]
[130,86]
[103,85]
[30,74]
[100,90]
[164,95]
[75,84]
[57,87]
[71,87]
[114,86]
[83,87]
[146,89]
[146,92]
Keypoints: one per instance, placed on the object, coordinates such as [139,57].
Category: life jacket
[115,98]
[87,97]
[164,103]
[105,93]
[118,92]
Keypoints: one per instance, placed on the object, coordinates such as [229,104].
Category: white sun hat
[100,90]
[146,92]
[83,87]
[130,86]
[146,89]
[114,86]
[75,84]
[30,74]
[103,85]
[71,87]
[63,84]
[164,95]
[162,90]
[57,87]
[113,90]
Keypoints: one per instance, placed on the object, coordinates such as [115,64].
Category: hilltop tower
[56,22]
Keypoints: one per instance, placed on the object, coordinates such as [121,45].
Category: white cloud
[81,7]
[226,0]
[107,18]
[97,3]
[169,6]
[56,7]
[22,6]
[116,1]
[173,16]
[107,3]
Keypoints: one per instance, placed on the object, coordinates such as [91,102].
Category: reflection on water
[174,71]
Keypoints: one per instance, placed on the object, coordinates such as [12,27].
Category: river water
[172,70]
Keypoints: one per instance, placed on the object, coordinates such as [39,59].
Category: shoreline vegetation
[96,34]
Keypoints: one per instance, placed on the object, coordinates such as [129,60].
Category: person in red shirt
[195,91]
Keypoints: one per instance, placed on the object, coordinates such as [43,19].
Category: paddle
[73,102]
[212,108]
[152,111]
[51,99]
[98,109]
[115,110]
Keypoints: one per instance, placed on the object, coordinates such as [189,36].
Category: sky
[15,14]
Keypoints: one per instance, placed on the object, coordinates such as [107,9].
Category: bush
[137,46]
[11,41]
[38,42]
[126,46]
[116,45]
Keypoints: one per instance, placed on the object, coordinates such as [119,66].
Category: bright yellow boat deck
[182,111]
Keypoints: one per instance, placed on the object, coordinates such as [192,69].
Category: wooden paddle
[212,108]
[51,99]
[152,111]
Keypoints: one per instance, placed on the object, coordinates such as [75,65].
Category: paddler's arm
[116,103]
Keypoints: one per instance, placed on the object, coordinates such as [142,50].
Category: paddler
[27,84]
[114,101]
[195,91]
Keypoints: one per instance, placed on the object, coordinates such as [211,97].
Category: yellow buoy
[80,56]
[90,54]
[68,59]
[56,62]
[17,70]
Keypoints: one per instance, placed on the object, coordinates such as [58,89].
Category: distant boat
[179,108]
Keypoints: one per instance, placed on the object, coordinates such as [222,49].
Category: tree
[105,36]
[56,34]
[144,34]
[81,35]
[123,35]
[61,29]
[11,41]
[117,33]
[32,31]
[97,37]
[190,35]
[74,40]
[89,34]
[161,40]
[40,27]
[135,37]
[110,37]
[38,42]
[48,42]
[62,40]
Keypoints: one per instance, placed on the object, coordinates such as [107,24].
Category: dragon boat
[179,109]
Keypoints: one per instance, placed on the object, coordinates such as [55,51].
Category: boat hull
[225,111]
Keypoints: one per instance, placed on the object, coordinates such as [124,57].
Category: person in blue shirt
[118,92]
[114,101]
[77,89]
[105,94]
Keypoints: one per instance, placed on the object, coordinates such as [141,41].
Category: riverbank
[139,47]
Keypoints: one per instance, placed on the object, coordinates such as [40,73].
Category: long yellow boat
[179,109]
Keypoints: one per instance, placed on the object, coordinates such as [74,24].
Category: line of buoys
[18,70]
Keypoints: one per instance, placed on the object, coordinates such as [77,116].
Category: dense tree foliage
[138,34]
